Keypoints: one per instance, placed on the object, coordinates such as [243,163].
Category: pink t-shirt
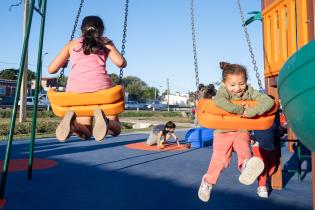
[88,72]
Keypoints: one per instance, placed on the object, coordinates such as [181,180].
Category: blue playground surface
[108,175]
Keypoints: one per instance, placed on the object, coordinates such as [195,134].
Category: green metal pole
[39,4]
[38,75]
[16,99]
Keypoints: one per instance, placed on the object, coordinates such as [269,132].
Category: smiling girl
[234,87]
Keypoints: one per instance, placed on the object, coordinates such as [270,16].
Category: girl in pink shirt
[88,55]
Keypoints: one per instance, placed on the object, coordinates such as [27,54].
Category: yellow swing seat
[211,116]
[111,101]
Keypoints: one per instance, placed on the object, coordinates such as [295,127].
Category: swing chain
[123,46]
[192,14]
[71,38]
[249,45]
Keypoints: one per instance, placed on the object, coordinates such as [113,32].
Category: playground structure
[288,25]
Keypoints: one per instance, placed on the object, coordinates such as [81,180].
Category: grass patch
[149,114]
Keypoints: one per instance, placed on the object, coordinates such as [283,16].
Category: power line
[13,63]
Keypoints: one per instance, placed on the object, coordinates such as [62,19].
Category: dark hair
[170,124]
[206,91]
[229,69]
[92,30]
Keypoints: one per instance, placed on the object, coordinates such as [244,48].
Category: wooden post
[313,179]
[22,114]
[276,179]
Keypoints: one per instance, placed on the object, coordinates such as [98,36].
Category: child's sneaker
[63,130]
[251,169]
[204,190]
[100,127]
[262,192]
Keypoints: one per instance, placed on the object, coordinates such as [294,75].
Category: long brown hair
[92,30]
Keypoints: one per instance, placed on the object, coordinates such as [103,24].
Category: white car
[156,104]
[42,103]
[43,99]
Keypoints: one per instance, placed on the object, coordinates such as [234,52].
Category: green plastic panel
[296,86]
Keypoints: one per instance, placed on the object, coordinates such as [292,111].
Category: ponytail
[92,30]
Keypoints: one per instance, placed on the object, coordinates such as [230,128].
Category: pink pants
[223,146]
[270,161]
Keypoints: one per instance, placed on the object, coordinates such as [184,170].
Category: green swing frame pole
[16,99]
[38,75]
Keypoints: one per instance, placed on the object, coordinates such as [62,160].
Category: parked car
[41,102]
[6,101]
[155,104]
[142,106]
[44,99]
[131,105]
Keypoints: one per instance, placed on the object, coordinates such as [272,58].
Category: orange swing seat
[211,116]
[111,101]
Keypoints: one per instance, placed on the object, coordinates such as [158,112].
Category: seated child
[234,87]
[162,133]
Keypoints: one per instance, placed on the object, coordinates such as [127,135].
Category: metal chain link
[249,45]
[123,46]
[192,14]
[71,38]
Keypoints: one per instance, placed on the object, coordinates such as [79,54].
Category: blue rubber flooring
[108,175]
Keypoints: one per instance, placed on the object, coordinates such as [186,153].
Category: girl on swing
[88,55]
[234,87]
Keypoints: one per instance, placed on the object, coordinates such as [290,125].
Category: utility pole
[168,94]
[22,114]
[154,93]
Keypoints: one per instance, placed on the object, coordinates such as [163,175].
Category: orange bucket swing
[211,116]
[111,101]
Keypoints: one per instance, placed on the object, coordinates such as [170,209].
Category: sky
[159,38]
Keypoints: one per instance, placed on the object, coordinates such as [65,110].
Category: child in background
[263,147]
[206,91]
[234,87]
[164,133]
[88,55]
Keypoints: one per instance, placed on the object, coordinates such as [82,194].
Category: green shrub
[6,113]
[23,128]
[42,126]
[125,125]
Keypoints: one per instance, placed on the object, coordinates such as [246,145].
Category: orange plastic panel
[84,111]
[210,116]
[286,27]
[107,96]
[207,105]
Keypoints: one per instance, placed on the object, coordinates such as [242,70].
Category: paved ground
[108,175]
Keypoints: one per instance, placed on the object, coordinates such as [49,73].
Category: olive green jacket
[223,100]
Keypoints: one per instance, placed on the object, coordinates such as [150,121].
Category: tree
[115,78]
[135,91]
[149,93]
[192,96]
[12,74]
[63,81]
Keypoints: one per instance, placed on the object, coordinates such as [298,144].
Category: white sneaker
[262,192]
[204,190]
[251,169]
